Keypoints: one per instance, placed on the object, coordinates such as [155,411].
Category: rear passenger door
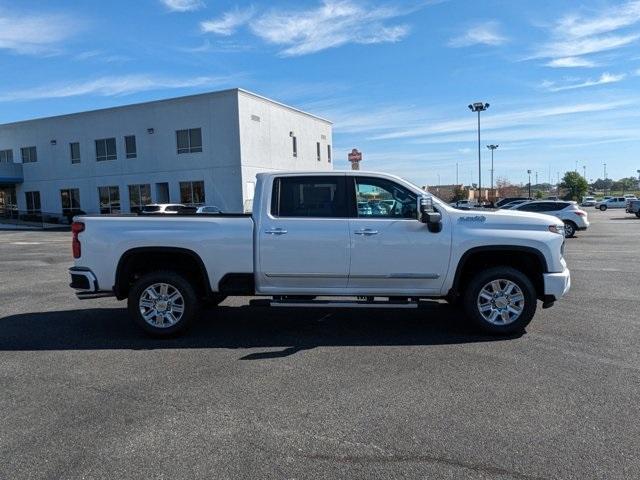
[303,241]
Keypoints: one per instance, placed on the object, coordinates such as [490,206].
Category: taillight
[580,213]
[76,228]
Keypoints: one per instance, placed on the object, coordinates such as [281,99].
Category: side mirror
[428,215]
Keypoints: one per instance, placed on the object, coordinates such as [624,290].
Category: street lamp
[584,171]
[479,107]
[492,148]
[529,173]
[605,178]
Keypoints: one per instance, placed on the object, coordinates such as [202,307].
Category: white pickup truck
[369,239]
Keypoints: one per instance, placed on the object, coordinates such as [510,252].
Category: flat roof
[172,99]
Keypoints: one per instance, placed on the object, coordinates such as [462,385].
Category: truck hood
[505,219]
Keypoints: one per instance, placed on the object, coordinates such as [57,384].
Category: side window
[380,198]
[528,208]
[316,196]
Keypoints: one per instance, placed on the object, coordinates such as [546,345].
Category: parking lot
[289,393]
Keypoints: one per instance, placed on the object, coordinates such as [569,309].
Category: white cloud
[576,35]
[334,23]
[183,5]
[35,34]
[607,21]
[228,23]
[485,34]
[571,62]
[110,86]
[604,79]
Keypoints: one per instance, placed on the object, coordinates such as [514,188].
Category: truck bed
[224,242]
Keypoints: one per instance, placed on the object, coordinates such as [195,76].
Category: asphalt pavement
[321,394]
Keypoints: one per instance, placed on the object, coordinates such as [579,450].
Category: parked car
[553,197]
[588,201]
[208,209]
[506,200]
[573,218]
[159,208]
[633,206]
[611,202]
[510,205]
[496,264]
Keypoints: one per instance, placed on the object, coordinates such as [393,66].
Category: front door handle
[366,231]
[276,231]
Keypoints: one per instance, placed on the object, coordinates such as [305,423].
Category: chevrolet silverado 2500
[373,239]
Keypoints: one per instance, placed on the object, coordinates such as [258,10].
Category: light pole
[479,107]
[529,172]
[638,178]
[584,171]
[492,148]
[605,178]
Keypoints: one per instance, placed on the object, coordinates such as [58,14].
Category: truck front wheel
[500,300]
[162,303]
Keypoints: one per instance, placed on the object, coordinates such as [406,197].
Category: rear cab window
[309,196]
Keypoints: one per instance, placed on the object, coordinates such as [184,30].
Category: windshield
[151,208]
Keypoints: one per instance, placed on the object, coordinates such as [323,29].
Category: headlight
[557,229]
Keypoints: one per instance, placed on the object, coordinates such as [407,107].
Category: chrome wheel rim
[501,302]
[568,229]
[161,305]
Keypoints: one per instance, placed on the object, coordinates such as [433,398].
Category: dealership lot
[321,393]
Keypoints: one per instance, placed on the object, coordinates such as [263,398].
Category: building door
[392,251]
[8,198]
[303,244]
[162,193]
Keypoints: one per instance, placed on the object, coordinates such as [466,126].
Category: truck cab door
[392,251]
[302,242]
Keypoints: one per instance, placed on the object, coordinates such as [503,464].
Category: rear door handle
[276,231]
[366,231]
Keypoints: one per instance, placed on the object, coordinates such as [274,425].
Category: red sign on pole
[355,155]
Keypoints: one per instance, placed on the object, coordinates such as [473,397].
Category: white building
[198,149]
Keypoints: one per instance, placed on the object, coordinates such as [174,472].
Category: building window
[130,146]
[294,145]
[189,141]
[139,196]
[6,156]
[318,151]
[74,148]
[109,199]
[29,154]
[329,153]
[70,199]
[106,149]
[33,202]
[192,193]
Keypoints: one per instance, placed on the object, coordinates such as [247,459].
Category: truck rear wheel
[500,300]
[162,303]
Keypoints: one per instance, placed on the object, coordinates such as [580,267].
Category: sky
[562,77]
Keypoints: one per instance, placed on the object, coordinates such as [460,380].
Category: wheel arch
[145,259]
[529,260]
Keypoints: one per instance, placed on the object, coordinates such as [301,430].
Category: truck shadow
[291,330]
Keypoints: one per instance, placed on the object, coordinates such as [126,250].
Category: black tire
[569,229]
[478,282]
[638,214]
[189,302]
[603,208]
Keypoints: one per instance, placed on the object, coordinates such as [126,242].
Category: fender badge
[476,218]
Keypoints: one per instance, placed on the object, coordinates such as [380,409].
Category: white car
[308,237]
[588,201]
[612,202]
[573,218]
[157,208]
